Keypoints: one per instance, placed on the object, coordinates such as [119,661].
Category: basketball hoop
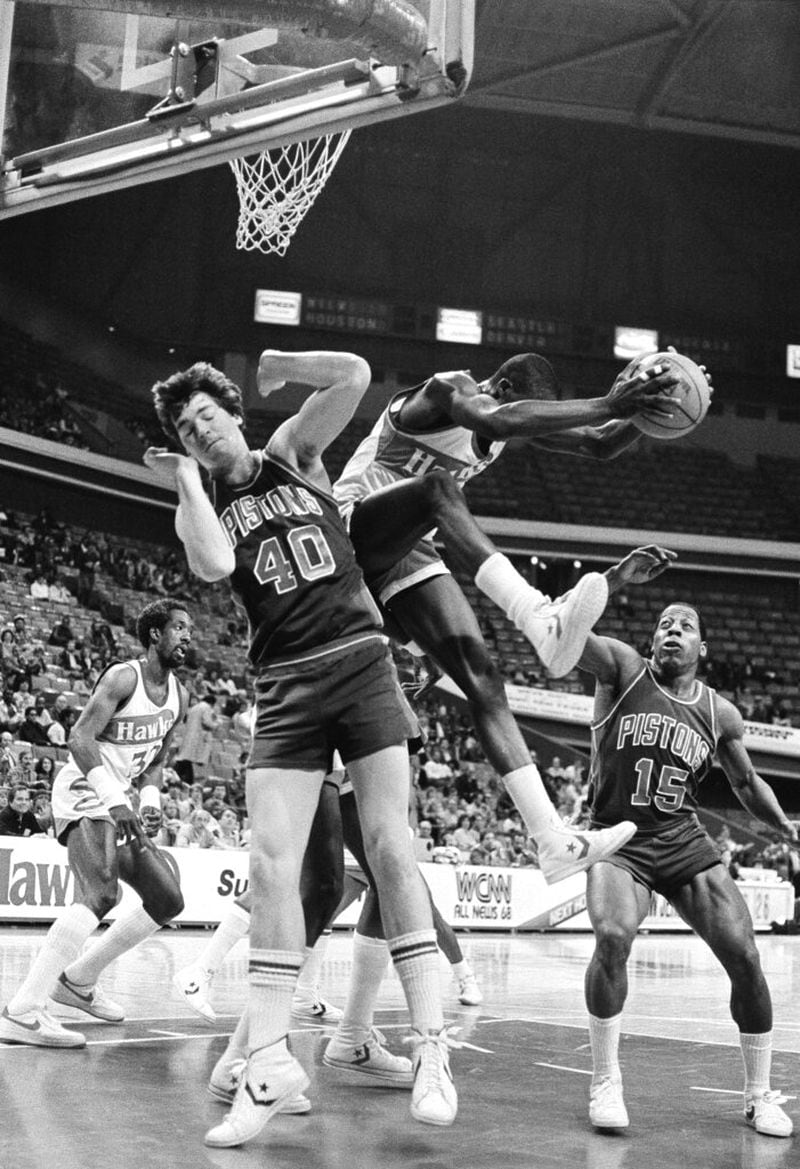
[277,187]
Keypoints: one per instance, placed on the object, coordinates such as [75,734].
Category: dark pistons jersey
[650,753]
[296,573]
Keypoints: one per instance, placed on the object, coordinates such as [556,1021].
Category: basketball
[691,399]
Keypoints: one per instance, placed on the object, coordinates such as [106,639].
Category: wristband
[104,787]
[149,797]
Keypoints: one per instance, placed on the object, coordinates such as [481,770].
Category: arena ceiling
[722,68]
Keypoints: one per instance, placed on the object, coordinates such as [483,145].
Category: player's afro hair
[155,616]
[170,396]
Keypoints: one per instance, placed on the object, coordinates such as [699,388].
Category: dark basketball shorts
[348,702]
[666,860]
[422,562]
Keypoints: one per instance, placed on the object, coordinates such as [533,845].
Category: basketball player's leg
[712,904]
[385,526]
[381,785]
[321,887]
[145,869]
[92,853]
[437,616]
[617,905]
[282,803]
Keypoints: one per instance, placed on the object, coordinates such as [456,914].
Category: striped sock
[416,959]
[272,976]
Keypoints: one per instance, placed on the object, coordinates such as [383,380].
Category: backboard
[96,95]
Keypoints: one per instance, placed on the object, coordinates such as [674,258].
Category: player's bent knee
[166,908]
[102,899]
[613,942]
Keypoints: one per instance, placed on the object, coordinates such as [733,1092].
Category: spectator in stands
[102,640]
[242,720]
[199,831]
[229,836]
[31,730]
[40,590]
[43,812]
[44,769]
[4,790]
[521,855]
[465,837]
[8,758]
[11,661]
[435,770]
[21,634]
[201,722]
[17,819]
[60,710]
[26,768]
[62,632]
[10,715]
[423,840]
[59,592]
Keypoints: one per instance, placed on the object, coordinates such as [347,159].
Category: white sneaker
[316,1009]
[563,850]
[193,984]
[91,1000]
[37,1029]
[469,993]
[225,1080]
[433,1096]
[272,1076]
[765,1115]
[558,629]
[606,1106]
[370,1058]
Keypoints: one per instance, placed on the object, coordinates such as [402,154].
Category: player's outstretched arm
[339,380]
[459,397]
[640,566]
[208,551]
[753,792]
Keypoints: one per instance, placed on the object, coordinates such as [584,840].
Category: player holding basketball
[404,480]
[656,730]
[120,739]
[325,682]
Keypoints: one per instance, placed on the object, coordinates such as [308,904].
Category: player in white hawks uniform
[117,745]
[405,479]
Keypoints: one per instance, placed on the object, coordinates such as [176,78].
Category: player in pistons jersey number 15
[655,733]
[118,743]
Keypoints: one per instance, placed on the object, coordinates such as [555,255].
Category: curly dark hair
[530,375]
[170,396]
[155,616]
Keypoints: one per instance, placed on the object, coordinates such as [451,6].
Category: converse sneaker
[225,1080]
[433,1095]
[558,629]
[37,1029]
[193,984]
[370,1058]
[606,1106]
[315,1009]
[86,998]
[271,1077]
[765,1115]
[469,993]
[564,850]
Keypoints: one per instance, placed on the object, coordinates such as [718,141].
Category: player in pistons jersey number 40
[118,744]
[656,730]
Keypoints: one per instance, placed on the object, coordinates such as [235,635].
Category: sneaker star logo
[576,842]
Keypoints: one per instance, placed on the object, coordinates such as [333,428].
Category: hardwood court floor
[135,1097]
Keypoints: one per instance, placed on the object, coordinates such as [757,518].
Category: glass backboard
[97,98]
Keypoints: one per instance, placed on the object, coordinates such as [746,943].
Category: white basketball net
[277,187]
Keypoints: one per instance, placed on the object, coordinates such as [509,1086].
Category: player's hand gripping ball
[690,398]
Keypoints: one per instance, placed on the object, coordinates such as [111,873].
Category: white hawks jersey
[128,745]
[389,454]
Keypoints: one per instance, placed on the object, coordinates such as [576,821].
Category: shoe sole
[209,1014]
[561,872]
[586,607]
[763,1132]
[430,1120]
[41,1041]
[65,999]
[608,1124]
[395,1079]
[300,1083]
